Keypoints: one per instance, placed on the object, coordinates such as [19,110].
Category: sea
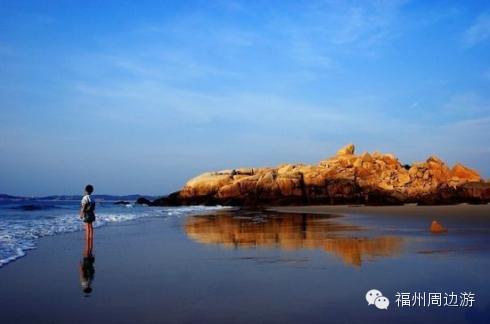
[24,221]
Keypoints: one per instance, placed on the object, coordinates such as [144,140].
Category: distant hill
[10,197]
[77,197]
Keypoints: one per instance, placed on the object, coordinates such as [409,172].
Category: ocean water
[23,222]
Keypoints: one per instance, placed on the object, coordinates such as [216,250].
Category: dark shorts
[89,218]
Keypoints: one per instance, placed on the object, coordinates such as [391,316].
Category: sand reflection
[291,232]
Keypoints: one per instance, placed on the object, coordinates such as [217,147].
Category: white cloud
[479,31]
[414,105]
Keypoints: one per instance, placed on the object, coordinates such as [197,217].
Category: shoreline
[62,218]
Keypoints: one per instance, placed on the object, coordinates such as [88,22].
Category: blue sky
[137,97]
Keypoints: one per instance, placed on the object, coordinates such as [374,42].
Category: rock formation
[368,178]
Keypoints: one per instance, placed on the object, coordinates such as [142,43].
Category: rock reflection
[354,250]
[291,232]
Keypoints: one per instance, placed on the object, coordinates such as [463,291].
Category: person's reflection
[87,270]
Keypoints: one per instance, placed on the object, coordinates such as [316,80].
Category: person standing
[87,212]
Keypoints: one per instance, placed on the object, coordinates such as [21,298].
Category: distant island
[75,197]
[346,178]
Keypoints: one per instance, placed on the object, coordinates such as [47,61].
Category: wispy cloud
[479,31]
[467,104]
[414,105]
[361,23]
[307,55]
[307,37]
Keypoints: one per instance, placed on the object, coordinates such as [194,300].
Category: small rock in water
[435,227]
[143,201]
[122,202]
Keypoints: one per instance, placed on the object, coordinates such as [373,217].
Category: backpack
[89,207]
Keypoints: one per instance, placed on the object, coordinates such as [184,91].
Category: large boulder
[346,150]
[464,173]
[207,183]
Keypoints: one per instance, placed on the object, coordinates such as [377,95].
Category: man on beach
[87,212]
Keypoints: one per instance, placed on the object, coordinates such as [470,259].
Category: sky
[140,96]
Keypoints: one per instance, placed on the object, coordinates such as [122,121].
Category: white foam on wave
[18,235]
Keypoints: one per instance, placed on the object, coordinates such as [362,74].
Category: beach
[255,162]
[303,264]
[460,211]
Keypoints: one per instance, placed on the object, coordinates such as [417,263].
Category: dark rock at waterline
[174,199]
[143,201]
[340,193]
[122,202]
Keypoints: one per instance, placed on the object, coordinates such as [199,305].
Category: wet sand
[254,266]
[461,210]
